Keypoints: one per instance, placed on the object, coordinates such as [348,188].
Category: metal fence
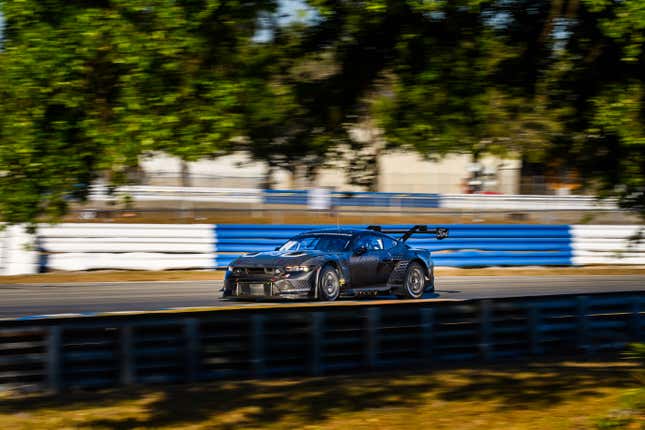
[350,199]
[96,352]
[174,193]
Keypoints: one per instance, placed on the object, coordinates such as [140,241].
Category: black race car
[327,264]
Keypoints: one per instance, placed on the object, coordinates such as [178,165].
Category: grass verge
[563,395]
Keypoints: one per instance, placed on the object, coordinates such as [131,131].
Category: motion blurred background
[178,134]
[447,97]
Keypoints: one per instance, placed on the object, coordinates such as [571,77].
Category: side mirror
[360,250]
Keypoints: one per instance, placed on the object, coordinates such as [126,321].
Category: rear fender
[398,274]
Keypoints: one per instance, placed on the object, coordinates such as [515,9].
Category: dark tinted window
[374,242]
[332,243]
[329,243]
[362,241]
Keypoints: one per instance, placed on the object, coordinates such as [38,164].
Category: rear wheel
[415,281]
[328,284]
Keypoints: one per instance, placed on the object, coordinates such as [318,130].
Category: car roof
[340,231]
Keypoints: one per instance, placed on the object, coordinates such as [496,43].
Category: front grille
[255,289]
[255,270]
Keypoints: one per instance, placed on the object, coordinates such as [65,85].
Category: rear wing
[439,232]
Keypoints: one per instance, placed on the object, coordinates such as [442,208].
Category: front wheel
[328,284]
[415,281]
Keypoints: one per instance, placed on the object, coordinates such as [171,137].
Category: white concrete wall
[608,244]
[19,255]
[128,246]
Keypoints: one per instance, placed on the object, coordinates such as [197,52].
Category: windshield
[328,243]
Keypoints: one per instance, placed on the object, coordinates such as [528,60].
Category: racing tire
[328,284]
[414,284]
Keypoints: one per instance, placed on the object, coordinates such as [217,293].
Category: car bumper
[291,286]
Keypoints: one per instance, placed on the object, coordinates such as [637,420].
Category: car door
[388,258]
[363,262]
[366,267]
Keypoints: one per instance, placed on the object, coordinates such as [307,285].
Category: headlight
[235,269]
[297,268]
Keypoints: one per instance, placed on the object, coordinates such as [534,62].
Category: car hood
[276,258]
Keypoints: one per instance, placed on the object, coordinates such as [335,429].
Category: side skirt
[366,291]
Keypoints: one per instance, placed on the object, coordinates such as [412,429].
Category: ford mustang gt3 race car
[327,264]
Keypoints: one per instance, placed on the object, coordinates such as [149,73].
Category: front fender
[340,263]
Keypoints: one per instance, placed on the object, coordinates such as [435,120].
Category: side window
[371,241]
[362,241]
[388,243]
[375,243]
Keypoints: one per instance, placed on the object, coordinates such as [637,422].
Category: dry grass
[540,396]
[209,275]
[287,215]
[115,276]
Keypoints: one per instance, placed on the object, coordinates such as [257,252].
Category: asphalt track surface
[29,300]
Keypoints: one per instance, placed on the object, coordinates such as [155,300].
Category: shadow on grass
[252,404]
[537,387]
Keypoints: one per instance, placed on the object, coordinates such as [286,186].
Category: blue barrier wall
[467,246]
[349,198]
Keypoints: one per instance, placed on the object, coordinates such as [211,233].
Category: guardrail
[525,202]
[356,198]
[466,246]
[172,193]
[350,199]
[94,352]
[3,249]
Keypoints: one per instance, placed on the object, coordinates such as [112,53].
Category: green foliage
[598,80]
[288,118]
[88,87]
[636,352]
[560,83]
[632,408]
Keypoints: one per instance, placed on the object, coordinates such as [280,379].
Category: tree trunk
[185,174]
[267,182]
[293,177]
[376,173]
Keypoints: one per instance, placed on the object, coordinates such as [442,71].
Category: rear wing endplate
[439,232]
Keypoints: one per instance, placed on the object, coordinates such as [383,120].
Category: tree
[600,84]
[89,87]
[290,113]
[560,82]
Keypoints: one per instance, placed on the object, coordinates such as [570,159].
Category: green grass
[628,415]
[505,396]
